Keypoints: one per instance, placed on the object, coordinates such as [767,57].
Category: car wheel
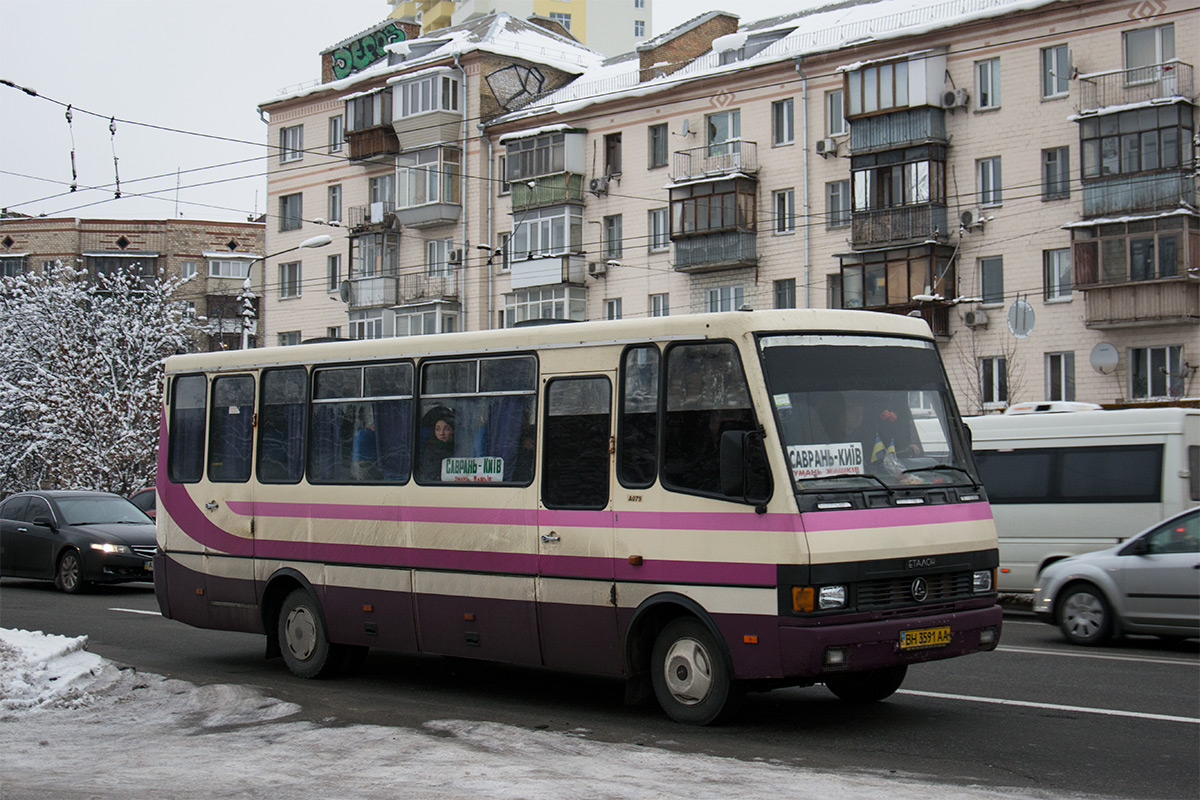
[869,686]
[690,676]
[1083,615]
[304,640]
[69,575]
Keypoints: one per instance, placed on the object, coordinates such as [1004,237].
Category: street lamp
[247,308]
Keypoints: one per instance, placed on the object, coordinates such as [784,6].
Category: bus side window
[185,448]
[282,417]
[362,424]
[575,447]
[637,442]
[231,426]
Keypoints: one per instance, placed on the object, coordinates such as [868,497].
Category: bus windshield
[857,412]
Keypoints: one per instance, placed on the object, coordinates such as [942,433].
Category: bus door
[576,614]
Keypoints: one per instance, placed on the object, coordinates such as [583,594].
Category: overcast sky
[196,71]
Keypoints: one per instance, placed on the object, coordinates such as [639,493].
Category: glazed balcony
[1164,191]
[548,190]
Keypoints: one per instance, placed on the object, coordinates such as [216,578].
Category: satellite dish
[1104,358]
[686,128]
[344,291]
[1020,318]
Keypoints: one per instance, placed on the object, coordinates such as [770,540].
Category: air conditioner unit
[955,98]
[826,147]
[972,219]
[598,186]
[975,319]
[597,268]
[455,257]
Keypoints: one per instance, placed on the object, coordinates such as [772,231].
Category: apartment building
[1020,174]
[215,257]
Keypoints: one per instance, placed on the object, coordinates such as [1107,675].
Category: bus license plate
[925,637]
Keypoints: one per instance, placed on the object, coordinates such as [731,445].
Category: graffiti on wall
[365,50]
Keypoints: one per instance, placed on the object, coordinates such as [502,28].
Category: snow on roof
[525,134]
[818,28]
[421,73]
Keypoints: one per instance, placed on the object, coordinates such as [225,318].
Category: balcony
[716,251]
[548,190]
[373,292]
[429,214]
[368,143]
[898,129]
[423,287]
[375,215]
[1167,301]
[715,161]
[1119,87]
[567,268]
[1165,191]
[905,224]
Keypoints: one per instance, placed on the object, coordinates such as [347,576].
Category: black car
[75,538]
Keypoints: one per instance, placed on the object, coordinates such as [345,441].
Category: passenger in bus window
[364,463]
[439,445]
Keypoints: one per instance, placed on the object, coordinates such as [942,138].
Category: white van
[1066,483]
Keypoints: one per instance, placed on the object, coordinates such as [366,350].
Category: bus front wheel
[303,638]
[690,675]
[869,686]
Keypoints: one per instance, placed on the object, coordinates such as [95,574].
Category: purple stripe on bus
[852,519]
[390,513]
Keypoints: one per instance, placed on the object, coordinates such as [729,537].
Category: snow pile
[74,724]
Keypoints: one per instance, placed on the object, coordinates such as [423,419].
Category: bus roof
[1079,424]
[724,325]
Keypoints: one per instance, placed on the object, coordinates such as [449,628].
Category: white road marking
[1111,712]
[1102,656]
[137,611]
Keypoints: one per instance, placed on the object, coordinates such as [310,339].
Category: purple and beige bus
[703,505]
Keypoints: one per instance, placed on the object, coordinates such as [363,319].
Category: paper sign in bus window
[483,469]
[822,460]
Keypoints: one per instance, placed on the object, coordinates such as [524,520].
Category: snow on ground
[72,723]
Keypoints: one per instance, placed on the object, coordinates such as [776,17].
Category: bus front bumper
[811,651]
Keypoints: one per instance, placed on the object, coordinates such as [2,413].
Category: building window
[1156,372]
[289,279]
[374,254]
[12,266]
[335,203]
[835,112]
[337,133]
[366,324]
[725,298]
[660,305]
[505,186]
[658,145]
[1056,71]
[1060,376]
[993,381]
[1056,266]
[288,338]
[1146,50]
[186,270]
[785,293]
[837,204]
[782,131]
[535,156]
[333,332]
[724,132]
[291,212]
[639,28]
[612,154]
[639,3]
[505,247]
[431,93]
[612,236]
[227,268]
[892,278]
[549,302]
[291,143]
[879,87]
[1056,173]
[383,190]
[1134,251]
[612,308]
[660,229]
[991,280]
[785,211]
[561,19]
[987,83]
[417,323]
[1137,140]
[988,172]
[437,257]
[333,273]
[429,176]
[369,110]
[548,232]
[701,208]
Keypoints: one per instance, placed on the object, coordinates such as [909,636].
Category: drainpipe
[462,193]
[807,202]
[491,236]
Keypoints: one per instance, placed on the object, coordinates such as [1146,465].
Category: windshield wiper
[860,475]
[941,466]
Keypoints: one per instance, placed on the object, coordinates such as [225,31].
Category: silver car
[1148,584]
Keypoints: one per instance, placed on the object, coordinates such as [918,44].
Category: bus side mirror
[744,471]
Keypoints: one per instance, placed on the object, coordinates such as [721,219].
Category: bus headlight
[982,581]
[832,597]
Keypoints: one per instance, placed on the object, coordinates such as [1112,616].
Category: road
[1036,715]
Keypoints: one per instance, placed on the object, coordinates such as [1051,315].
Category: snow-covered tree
[81,377]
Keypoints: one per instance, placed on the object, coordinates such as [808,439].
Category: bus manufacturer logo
[920,590]
[917,563]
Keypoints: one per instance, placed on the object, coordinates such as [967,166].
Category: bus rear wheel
[690,675]
[868,686]
[304,640]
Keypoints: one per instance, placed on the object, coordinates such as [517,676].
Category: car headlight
[832,597]
[981,581]
[112,549]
